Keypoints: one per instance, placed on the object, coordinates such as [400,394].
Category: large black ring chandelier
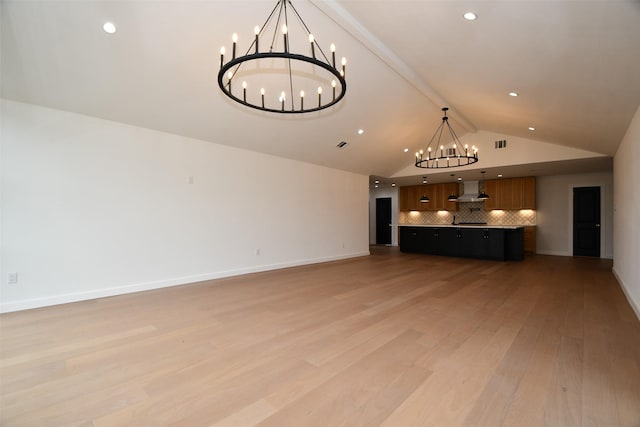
[438,156]
[289,76]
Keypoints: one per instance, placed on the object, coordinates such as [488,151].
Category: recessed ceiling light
[393,184]
[513,93]
[360,131]
[109,27]
[470,16]
[376,185]
[377,182]
[532,128]
[499,175]
[406,150]
[459,178]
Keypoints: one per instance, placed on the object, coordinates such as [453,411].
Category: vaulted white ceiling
[575,65]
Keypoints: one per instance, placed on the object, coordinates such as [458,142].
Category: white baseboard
[625,290]
[564,253]
[7,307]
[554,253]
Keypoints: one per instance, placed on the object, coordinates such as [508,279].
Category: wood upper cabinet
[403,198]
[444,191]
[505,194]
[529,193]
[510,193]
[491,188]
[438,197]
[409,199]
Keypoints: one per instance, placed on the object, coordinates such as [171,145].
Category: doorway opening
[586,221]
[383,221]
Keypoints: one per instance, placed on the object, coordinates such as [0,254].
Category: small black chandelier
[438,156]
[247,78]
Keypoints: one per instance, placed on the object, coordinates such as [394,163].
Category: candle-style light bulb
[333,85]
[313,49]
[222,51]
[234,38]
[244,91]
[319,96]
[256,30]
[282,99]
[262,96]
[286,40]
[333,54]
[302,100]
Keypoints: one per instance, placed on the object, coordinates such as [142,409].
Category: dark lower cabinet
[469,243]
[411,239]
[494,243]
[485,243]
[514,245]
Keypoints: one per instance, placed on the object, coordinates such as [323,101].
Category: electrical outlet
[12,278]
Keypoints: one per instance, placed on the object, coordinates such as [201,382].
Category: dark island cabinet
[467,242]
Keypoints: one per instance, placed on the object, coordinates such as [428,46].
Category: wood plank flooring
[391,339]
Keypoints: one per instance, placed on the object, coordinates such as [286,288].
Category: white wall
[92,208]
[554,202]
[378,193]
[626,202]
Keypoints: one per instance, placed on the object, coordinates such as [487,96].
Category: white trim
[7,307]
[554,253]
[635,308]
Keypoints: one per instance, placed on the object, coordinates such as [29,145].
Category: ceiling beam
[334,10]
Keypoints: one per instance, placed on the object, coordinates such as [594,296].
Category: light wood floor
[391,339]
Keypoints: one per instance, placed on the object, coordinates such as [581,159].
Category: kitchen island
[469,241]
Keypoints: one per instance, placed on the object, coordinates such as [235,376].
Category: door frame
[603,218]
[381,193]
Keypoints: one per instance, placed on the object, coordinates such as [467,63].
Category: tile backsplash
[470,212]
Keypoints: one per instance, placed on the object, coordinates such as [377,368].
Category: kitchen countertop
[503,227]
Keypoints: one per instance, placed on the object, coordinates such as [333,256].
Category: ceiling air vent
[501,144]
[341,144]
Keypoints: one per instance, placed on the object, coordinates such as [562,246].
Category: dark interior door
[586,221]
[383,221]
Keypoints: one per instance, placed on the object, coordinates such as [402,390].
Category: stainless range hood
[470,193]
